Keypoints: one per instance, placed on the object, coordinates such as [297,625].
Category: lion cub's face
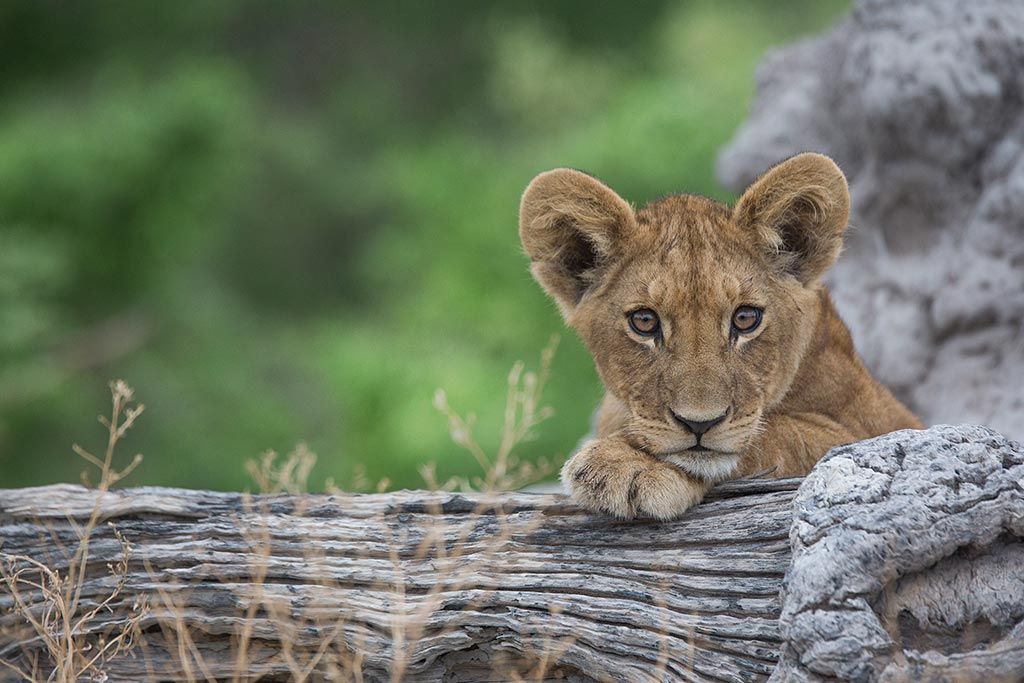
[693,331]
[697,316]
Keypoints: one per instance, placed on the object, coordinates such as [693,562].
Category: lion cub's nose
[698,427]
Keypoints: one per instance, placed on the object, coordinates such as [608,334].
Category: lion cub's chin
[707,465]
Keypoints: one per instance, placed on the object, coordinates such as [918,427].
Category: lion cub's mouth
[704,462]
[696,449]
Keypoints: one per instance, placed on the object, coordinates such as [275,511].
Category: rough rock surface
[922,105]
[908,561]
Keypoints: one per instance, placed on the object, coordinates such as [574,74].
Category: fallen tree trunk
[429,586]
[436,584]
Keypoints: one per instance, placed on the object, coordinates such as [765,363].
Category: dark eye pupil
[746,318]
[644,321]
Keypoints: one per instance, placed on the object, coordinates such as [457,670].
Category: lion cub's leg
[609,475]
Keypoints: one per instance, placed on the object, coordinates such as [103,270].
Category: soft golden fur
[789,390]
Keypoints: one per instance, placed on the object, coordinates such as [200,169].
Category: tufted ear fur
[569,223]
[799,210]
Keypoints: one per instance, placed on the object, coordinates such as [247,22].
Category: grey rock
[922,105]
[908,561]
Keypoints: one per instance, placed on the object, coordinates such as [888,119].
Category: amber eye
[746,319]
[644,322]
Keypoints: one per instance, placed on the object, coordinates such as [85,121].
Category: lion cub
[719,348]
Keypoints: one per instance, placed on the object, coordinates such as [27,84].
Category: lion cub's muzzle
[698,427]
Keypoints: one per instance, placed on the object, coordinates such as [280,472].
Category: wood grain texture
[907,564]
[441,585]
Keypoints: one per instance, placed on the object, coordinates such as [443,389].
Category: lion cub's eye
[644,322]
[746,319]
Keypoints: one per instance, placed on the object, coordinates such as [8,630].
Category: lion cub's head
[697,315]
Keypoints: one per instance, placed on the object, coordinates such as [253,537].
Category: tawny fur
[791,390]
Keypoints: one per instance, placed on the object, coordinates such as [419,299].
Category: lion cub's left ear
[799,210]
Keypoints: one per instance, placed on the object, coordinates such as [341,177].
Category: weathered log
[516,575]
[429,586]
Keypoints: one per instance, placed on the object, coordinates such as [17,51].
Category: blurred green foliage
[294,221]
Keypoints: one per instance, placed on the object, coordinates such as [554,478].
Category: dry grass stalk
[523,412]
[290,476]
[502,472]
[50,601]
[456,560]
[457,564]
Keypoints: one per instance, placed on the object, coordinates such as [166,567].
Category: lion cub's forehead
[691,250]
[688,223]
[684,205]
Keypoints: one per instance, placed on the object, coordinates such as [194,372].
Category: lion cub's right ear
[570,223]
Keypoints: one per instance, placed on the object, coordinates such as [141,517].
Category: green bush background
[287,222]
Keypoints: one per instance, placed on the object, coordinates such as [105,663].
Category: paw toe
[666,494]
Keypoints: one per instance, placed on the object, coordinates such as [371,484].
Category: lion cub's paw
[609,475]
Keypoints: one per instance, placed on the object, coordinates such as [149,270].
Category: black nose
[698,427]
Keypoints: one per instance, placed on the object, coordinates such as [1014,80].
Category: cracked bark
[471,587]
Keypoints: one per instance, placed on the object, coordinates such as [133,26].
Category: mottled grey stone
[908,561]
[922,105]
